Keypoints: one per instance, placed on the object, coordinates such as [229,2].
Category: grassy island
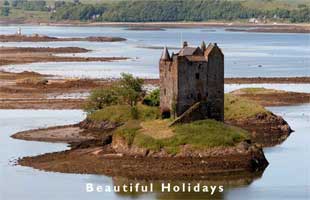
[141,126]
[147,130]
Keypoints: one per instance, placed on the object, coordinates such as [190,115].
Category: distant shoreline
[262,27]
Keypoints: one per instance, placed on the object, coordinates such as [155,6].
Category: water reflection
[280,179]
[212,187]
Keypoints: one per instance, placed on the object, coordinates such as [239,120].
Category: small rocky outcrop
[266,129]
[245,156]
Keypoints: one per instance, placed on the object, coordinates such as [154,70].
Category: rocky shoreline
[265,129]
[275,26]
[97,160]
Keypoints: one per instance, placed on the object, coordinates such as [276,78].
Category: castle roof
[187,51]
[165,55]
[210,47]
[193,53]
[190,51]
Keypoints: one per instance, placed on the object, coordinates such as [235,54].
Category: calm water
[279,54]
[287,176]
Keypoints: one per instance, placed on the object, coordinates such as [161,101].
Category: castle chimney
[215,44]
[203,46]
[185,44]
[165,55]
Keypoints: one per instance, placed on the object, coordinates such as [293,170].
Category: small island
[131,133]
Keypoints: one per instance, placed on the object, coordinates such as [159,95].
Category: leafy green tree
[6,3]
[5,11]
[127,91]
[100,98]
[130,89]
[152,99]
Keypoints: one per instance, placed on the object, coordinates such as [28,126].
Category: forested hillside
[159,10]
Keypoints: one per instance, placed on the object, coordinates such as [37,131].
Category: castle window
[199,96]
[192,95]
[165,91]
[199,66]
[197,76]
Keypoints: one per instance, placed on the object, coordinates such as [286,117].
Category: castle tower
[194,74]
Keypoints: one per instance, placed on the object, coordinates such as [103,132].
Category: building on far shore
[194,74]
[19,31]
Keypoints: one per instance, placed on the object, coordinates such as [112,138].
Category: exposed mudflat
[44,38]
[20,55]
[27,90]
[270,97]
[67,134]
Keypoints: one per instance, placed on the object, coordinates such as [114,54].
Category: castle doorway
[166,114]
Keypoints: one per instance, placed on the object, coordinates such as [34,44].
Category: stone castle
[194,74]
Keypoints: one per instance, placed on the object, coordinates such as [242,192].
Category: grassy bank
[201,134]
[237,108]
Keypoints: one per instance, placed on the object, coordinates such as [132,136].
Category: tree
[100,98]
[153,98]
[6,3]
[5,11]
[130,89]
[127,91]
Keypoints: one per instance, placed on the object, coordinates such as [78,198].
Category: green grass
[258,91]
[30,15]
[128,131]
[201,134]
[272,4]
[122,113]
[236,108]
[149,132]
